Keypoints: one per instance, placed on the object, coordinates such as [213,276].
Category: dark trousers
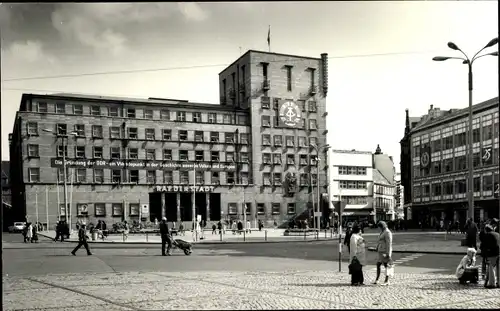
[165,239]
[59,235]
[80,244]
[357,277]
[470,275]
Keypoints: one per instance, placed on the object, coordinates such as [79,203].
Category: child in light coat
[467,270]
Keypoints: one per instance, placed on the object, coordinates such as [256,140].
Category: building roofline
[490,103]
[352,151]
[135,101]
[268,53]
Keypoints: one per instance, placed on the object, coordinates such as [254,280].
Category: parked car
[17,227]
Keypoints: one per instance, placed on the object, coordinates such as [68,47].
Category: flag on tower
[269,38]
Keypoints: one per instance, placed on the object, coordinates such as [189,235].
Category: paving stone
[17,283]
[98,279]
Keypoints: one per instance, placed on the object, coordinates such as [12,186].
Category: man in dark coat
[82,241]
[165,237]
[471,235]
[490,249]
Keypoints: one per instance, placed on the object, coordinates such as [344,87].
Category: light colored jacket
[466,262]
[30,231]
[384,244]
[357,248]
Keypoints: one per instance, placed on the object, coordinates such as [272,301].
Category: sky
[380,55]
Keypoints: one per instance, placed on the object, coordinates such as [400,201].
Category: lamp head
[494,53]
[440,58]
[491,43]
[453,46]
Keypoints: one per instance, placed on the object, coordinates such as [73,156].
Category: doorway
[171,206]
[201,205]
[215,207]
[155,206]
[186,207]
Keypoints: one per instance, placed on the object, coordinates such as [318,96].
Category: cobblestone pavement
[300,289]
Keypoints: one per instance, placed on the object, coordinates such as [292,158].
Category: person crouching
[467,270]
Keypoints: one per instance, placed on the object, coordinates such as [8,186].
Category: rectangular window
[276,208]
[276,158]
[115,153]
[150,134]
[117,209]
[266,158]
[133,153]
[477,184]
[82,209]
[32,128]
[165,115]
[97,154]
[184,177]
[196,117]
[98,175]
[313,125]
[100,209]
[62,129]
[183,135]
[290,141]
[34,174]
[228,138]
[115,132]
[150,154]
[277,179]
[289,78]
[488,183]
[60,174]
[214,137]
[230,179]
[166,134]
[229,156]
[312,106]
[133,133]
[96,131]
[215,178]
[244,157]
[78,109]
[61,108]
[265,102]
[487,132]
[81,175]
[116,176]
[134,176]
[148,114]
[134,209]
[266,140]
[199,155]
[151,177]
[277,140]
[261,208]
[232,208]
[200,177]
[244,178]
[43,107]
[228,118]
[266,121]
[183,155]
[313,141]
[212,118]
[80,130]
[244,138]
[33,151]
[167,154]
[290,159]
[62,151]
[303,159]
[266,179]
[95,110]
[130,113]
[181,116]
[114,112]
[80,152]
[168,177]
[198,136]
[214,156]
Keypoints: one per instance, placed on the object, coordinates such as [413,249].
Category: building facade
[143,159]
[399,198]
[8,213]
[434,153]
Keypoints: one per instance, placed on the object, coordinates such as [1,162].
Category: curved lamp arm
[488,54]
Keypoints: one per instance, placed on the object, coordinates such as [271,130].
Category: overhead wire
[198,67]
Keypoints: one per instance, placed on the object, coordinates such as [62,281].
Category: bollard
[147,237]
[265,235]
[317,234]
[305,234]
[244,238]
[325,233]
[123,237]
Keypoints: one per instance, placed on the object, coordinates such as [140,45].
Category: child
[467,270]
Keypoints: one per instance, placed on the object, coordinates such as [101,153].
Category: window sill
[117,216]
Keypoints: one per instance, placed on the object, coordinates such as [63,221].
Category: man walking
[165,237]
[490,249]
[82,241]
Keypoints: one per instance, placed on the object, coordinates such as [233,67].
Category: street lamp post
[469,61]
[318,189]
[65,184]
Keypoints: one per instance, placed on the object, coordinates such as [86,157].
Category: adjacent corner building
[249,156]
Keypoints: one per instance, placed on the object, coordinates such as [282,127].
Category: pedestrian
[249,230]
[467,270]
[126,230]
[34,238]
[240,227]
[219,227]
[471,234]
[347,238]
[491,250]
[214,229]
[482,232]
[29,232]
[384,250]
[82,240]
[357,256]
[165,238]
[181,228]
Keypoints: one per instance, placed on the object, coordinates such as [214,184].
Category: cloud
[192,11]
[29,51]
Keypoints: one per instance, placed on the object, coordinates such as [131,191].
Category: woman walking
[384,250]
[29,233]
[357,256]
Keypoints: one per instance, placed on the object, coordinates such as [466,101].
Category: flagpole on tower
[269,38]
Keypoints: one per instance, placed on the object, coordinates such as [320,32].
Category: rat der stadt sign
[184,188]
[142,164]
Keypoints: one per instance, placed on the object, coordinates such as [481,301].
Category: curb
[373,249]
[195,243]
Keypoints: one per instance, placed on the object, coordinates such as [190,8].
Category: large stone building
[434,166]
[148,158]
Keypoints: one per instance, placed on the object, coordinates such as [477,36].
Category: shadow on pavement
[451,285]
[322,285]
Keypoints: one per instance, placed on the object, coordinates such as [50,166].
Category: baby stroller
[183,245]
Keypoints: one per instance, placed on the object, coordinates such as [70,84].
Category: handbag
[354,266]
[390,268]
